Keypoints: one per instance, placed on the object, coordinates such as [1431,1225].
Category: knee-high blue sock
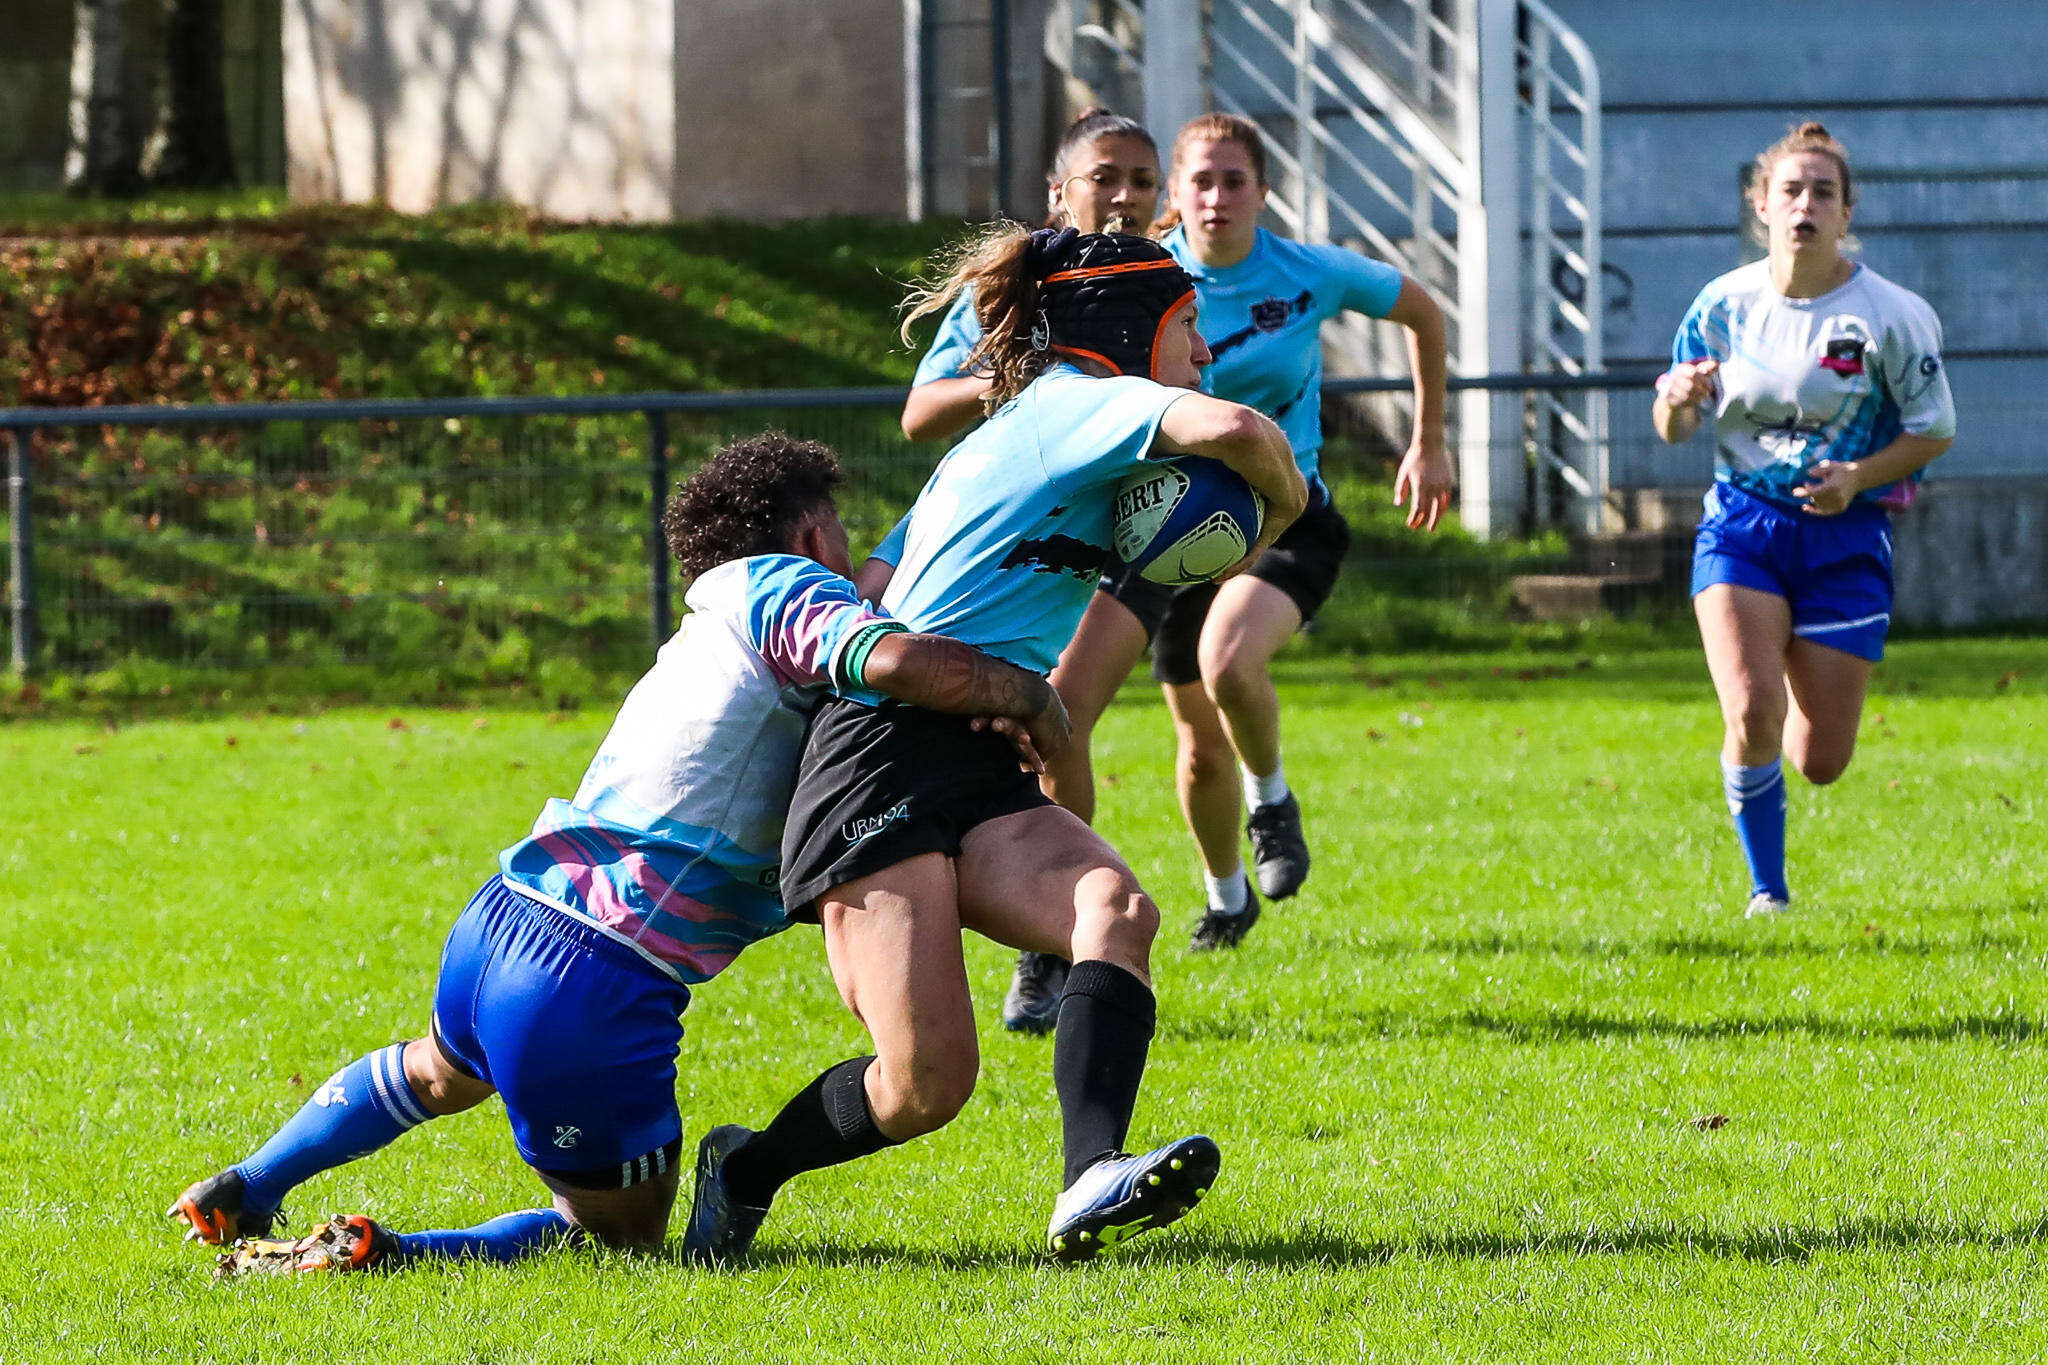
[359,1109]
[1756,798]
[505,1238]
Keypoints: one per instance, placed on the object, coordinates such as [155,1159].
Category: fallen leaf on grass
[1707,1123]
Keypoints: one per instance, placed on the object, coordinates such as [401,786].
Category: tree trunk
[102,155]
[193,150]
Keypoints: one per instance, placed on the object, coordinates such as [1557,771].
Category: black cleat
[1033,1004]
[212,1211]
[1279,852]
[1217,929]
[721,1229]
[1121,1196]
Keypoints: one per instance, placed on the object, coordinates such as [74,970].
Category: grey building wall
[602,109]
[788,108]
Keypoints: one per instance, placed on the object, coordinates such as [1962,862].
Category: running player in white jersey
[906,828]
[563,983]
[1829,398]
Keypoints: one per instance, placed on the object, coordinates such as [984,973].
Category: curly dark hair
[748,499]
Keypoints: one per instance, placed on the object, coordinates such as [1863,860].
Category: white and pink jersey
[1802,380]
[673,840]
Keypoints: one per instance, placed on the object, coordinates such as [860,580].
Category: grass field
[1460,1083]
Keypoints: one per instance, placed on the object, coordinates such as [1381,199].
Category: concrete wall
[789,108]
[607,109]
[1973,552]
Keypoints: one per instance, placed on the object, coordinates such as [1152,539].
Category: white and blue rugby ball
[1184,520]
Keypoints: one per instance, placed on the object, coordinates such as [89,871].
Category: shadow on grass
[1850,944]
[1310,1247]
[1549,1026]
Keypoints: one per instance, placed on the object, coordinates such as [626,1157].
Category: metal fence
[486,535]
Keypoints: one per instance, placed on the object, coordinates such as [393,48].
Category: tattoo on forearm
[945,675]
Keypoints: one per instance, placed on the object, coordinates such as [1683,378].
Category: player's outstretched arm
[1247,440]
[941,674]
[943,407]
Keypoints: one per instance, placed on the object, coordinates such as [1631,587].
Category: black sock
[1098,1058]
[828,1122]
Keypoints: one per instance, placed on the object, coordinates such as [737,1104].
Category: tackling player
[563,983]
[1829,398]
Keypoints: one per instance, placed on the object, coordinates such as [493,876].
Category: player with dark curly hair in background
[563,983]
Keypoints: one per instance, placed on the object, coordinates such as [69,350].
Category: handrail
[374,409]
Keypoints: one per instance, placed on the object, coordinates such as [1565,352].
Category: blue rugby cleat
[1121,1196]
[721,1229]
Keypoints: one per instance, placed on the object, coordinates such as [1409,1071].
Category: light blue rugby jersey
[1005,543]
[1836,377]
[1263,321]
[959,333]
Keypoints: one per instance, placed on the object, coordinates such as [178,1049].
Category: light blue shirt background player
[1263,319]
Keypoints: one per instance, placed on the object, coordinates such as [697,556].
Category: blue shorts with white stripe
[1836,572]
[576,1030]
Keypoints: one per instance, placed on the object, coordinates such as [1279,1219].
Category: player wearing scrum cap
[907,828]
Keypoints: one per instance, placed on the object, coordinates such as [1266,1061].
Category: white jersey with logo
[673,840]
[1836,377]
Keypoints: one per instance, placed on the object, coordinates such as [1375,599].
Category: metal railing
[482,533]
[1561,115]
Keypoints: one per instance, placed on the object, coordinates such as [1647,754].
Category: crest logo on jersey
[1270,315]
[567,1135]
[1844,356]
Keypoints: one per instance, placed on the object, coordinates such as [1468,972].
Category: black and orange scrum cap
[1106,297]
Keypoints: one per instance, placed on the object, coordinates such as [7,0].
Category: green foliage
[1467,1084]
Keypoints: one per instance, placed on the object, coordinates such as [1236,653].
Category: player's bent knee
[928,1097]
[1822,769]
[1200,762]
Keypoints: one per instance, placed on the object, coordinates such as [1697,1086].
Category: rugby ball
[1184,520]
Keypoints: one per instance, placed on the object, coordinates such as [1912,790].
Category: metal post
[659,619]
[21,556]
[1174,89]
[1492,463]
[999,87]
[915,158]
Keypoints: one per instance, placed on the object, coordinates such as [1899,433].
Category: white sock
[1269,790]
[1226,893]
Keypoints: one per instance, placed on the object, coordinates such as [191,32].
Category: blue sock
[1756,798]
[505,1238]
[359,1109]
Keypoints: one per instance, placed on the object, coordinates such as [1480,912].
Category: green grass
[1455,1081]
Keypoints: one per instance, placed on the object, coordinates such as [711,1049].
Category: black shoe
[721,1229]
[1279,853]
[213,1212]
[1033,1004]
[1217,929]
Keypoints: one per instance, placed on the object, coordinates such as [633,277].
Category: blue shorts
[577,1031]
[1835,571]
